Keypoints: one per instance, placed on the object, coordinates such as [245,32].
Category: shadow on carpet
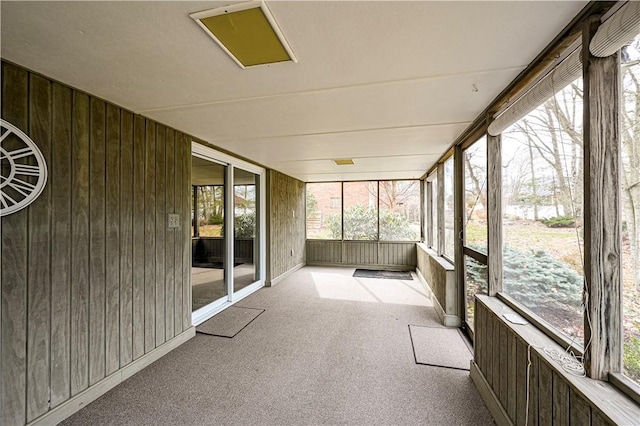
[440,347]
[229,322]
[389,275]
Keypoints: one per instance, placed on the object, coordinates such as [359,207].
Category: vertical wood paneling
[534,406]
[39,279]
[185,149]
[126,238]
[161,179]
[112,242]
[489,351]
[521,381]
[545,395]
[80,245]
[90,263]
[179,238]
[138,236]
[511,375]
[560,409]
[170,239]
[14,267]
[150,238]
[60,182]
[495,355]
[97,243]
[579,410]
[503,361]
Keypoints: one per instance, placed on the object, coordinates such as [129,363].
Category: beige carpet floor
[329,349]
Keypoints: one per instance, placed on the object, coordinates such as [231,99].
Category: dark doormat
[389,275]
[229,322]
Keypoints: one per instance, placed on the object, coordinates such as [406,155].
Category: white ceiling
[389,84]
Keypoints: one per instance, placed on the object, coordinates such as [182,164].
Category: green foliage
[312,204]
[361,224]
[559,222]
[245,225]
[535,278]
[215,219]
[632,358]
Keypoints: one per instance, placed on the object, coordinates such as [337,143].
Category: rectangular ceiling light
[247,32]
[344,162]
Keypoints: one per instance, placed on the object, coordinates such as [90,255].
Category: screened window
[631,208]
[434,213]
[542,211]
[324,212]
[399,210]
[360,211]
[448,209]
[475,196]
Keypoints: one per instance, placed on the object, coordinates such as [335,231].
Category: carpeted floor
[329,349]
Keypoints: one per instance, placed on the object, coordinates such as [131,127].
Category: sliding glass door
[227,219]
[208,243]
[246,257]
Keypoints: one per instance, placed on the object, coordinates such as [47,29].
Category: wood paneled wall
[440,277]
[399,255]
[502,354]
[91,278]
[286,205]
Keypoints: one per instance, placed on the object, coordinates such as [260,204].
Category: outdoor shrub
[559,222]
[215,219]
[361,224]
[245,225]
[534,277]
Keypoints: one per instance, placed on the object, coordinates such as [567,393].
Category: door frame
[210,154]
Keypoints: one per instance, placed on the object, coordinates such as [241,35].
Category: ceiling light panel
[343,162]
[247,32]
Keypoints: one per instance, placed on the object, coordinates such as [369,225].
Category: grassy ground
[566,245]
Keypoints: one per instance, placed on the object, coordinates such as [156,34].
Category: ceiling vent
[247,32]
[343,162]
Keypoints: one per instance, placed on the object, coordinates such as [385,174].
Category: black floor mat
[389,275]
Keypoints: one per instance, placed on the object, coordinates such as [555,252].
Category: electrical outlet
[174,221]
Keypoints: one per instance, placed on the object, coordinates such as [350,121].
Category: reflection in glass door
[246,259]
[208,246]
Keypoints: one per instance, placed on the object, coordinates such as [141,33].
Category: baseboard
[490,399]
[448,320]
[89,395]
[281,277]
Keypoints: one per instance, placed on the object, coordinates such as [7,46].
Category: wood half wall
[92,278]
[399,255]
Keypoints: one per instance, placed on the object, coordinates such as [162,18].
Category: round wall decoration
[23,171]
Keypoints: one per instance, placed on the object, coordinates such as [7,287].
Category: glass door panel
[208,244]
[246,256]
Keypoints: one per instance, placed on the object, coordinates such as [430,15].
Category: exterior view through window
[448,209]
[475,222]
[631,208]
[324,210]
[543,210]
[373,210]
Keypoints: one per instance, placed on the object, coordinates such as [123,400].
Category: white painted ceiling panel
[371,75]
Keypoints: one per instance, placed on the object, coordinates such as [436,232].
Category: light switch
[174,221]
